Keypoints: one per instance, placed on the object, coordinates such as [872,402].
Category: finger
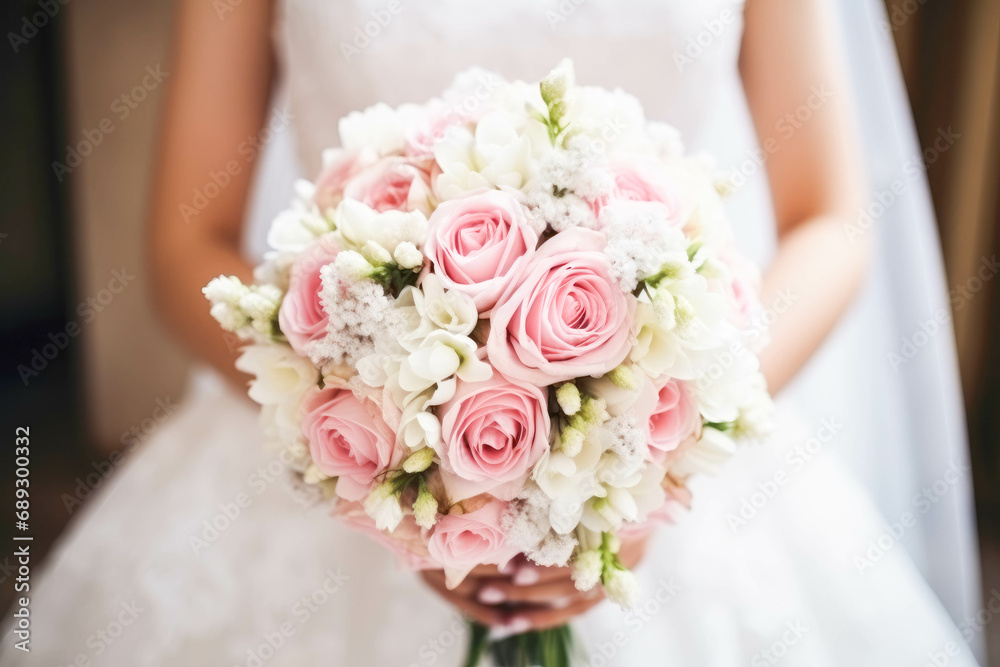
[467,588]
[497,591]
[486,615]
[545,618]
[529,575]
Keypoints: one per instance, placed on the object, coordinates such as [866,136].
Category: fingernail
[560,603]
[491,595]
[516,626]
[526,576]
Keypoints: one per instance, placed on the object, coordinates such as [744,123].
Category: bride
[811,549]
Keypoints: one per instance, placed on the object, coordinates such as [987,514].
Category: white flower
[680,329]
[621,587]
[352,265]
[570,478]
[495,155]
[438,357]
[407,256]
[382,505]
[425,509]
[439,308]
[568,396]
[419,460]
[709,454]
[358,224]
[297,227]
[420,429]
[280,374]
[375,253]
[641,240]
[587,570]
[225,289]
[379,127]
[730,380]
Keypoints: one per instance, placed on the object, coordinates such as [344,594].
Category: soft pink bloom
[742,288]
[339,166]
[479,244]
[674,418]
[391,184]
[460,542]
[348,440]
[408,540]
[493,432]
[634,183]
[565,317]
[428,127]
[301,317]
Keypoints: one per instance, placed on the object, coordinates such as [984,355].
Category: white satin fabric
[277,584]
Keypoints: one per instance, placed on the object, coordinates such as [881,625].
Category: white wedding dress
[195,553]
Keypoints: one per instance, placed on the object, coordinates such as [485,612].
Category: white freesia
[408,256]
[439,308]
[357,224]
[280,375]
[379,127]
[494,155]
[713,449]
[679,326]
[295,228]
[439,356]
[729,381]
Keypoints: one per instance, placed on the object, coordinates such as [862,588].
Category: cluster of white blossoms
[511,320]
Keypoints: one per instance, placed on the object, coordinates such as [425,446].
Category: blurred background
[91,370]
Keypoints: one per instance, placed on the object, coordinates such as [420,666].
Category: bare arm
[789,61]
[219,83]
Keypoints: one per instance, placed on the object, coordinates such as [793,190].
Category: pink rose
[493,432]
[301,316]
[460,542]
[348,440]
[479,244]
[391,184]
[634,183]
[429,127]
[674,418]
[565,317]
[339,166]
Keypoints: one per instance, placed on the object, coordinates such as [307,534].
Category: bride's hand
[523,596]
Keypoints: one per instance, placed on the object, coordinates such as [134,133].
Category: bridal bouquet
[509,321]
